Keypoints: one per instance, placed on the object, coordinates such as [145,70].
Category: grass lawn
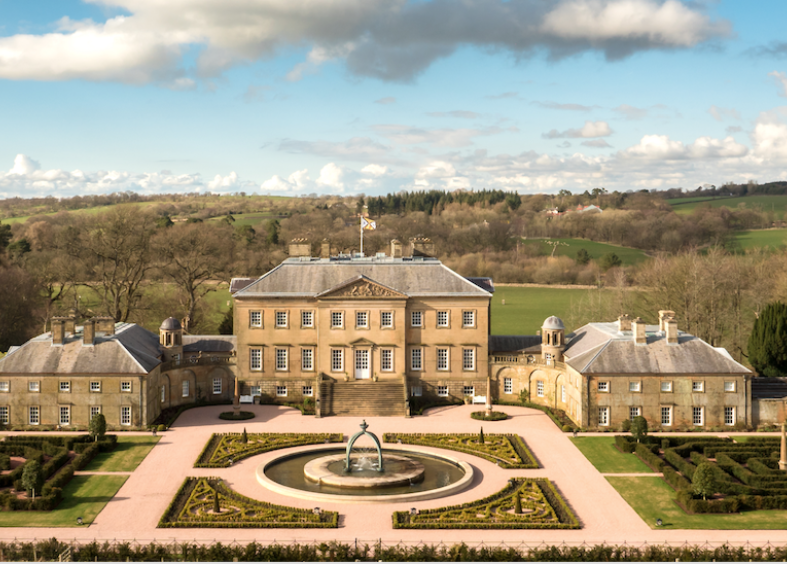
[767,203]
[596,250]
[607,459]
[773,238]
[128,453]
[84,496]
[653,499]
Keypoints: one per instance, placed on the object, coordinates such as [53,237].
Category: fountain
[362,474]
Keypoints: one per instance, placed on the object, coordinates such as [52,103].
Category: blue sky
[375,96]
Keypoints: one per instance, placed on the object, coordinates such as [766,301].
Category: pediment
[363,342]
[361,287]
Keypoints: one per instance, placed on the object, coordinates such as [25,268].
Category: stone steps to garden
[364,398]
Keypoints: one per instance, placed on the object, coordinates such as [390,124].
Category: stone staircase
[363,398]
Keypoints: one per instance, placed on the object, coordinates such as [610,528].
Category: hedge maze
[222,449]
[509,451]
[745,476]
[195,505]
[522,504]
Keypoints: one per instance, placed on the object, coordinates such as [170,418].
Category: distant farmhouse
[376,336]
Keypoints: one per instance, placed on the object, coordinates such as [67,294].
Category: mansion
[376,336]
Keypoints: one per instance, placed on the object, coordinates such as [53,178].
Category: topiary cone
[216,506]
[518,505]
[481,436]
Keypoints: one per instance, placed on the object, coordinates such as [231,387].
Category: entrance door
[362,371]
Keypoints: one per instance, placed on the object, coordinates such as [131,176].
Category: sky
[294,97]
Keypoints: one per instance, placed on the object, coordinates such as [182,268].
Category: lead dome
[170,324]
[553,322]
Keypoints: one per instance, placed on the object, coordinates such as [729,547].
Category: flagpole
[362,235]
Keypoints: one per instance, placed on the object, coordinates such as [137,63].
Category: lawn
[596,250]
[773,238]
[84,496]
[653,499]
[128,453]
[776,203]
[607,459]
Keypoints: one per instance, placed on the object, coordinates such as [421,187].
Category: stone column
[488,395]
[783,457]
[236,397]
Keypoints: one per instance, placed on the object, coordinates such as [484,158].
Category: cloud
[567,107]
[564,145]
[630,112]
[589,130]
[596,144]
[733,129]
[461,114]
[391,40]
[331,177]
[661,147]
[386,101]
[408,135]
[224,183]
[781,79]
[356,148]
[775,49]
[24,166]
[769,137]
[375,170]
[721,114]
[297,181]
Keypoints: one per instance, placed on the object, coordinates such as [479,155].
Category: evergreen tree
[244,438]
[481,436]
[32,477]
[768,341]
[703,482]
[216,506]
[639,428]
[610,260]
[583,257]
[518,504]
[225,327]
[97,427]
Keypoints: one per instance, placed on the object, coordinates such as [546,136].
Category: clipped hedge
[686,468]
[624,445]
[514,454]
[647,456]
[675,480]
[692,505]
[221,447]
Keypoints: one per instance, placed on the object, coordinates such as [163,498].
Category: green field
[777,204]
[596,250]
[128,453]
[527,308]
[83,496]
[252,219]
[653,499]
[607,459]
[773,238]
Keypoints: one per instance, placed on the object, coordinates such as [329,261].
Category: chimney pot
[300,248]
[58,331]
[105,325]
[89,332]
[325,249]
[663,315]
[638,326]
[624,322]
[671,329]
[396,249]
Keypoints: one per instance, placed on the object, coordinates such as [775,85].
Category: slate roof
[209,343]
[307,277]
[513,343]
[131,350]
[483,282]
[599,348]
[768,388]
[237,284]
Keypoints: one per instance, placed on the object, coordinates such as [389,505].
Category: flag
[369,225]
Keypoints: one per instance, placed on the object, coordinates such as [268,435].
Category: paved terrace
[606,518]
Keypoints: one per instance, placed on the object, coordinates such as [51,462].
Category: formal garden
[224,449]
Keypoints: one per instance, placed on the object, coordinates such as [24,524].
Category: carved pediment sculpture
[362,288]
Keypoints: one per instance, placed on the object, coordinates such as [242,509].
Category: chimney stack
[70,325]
[58,330]
[300,248]
[638,326]
[89,332]
[421,247]
[663,315]
[396,249]
[624,322]
[325,249]
[671,329]
[105,325]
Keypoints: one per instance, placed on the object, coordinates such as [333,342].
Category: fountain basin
[399,471]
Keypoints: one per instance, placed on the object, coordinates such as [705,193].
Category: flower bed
[541,508]
[494,416]
[232,416]
[509,451]
[223,447]
[194,506]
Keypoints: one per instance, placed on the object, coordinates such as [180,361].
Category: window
[468,359]
[95,387]
[217,385]
[5,386]
[603,416]
[337,360]
[281,391]
[729,416]
[94,410]
[307,319]
[442,359]
[255,359]
[307,359]
[416,391]
[562,393]
[34,386]
[698,386]
[442,319]
[540,388]
[697,416]
[281,359]
[337,320]
[386,360]
[362,319]
[442,391]
[416,358]
[508,386]
[603,386]
[729,386]
[634,412]
[666,386]
[281,319]
[666,416]
[256,390]
[255,319]
[386,319]
[4,415]
[468,391]
[34,415]
[468,319]
[163,393]
[125,386]
[65,415]
[185,386]
[416,319]
[635,386]
[307,391]
[125,415]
